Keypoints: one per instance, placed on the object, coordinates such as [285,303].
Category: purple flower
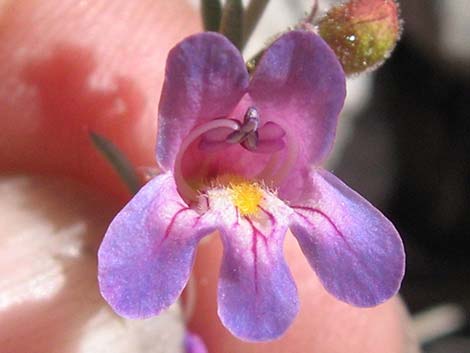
[242,156]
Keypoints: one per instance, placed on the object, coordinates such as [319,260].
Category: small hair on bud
[362,33]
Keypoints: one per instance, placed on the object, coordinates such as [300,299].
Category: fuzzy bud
[362,33]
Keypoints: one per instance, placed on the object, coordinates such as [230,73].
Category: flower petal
[269,146]
[356,251]
[147,253]
[300,85]
[270,138]
[205,78]
[215,140]
[257,297]
[271,131]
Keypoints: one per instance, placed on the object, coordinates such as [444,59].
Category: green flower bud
[362,33]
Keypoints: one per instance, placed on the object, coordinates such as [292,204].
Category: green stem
[252,15]
[211,14]
[117,160]
[231,24]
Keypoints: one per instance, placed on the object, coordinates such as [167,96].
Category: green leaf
[117,160]
[253,13]
[232,22]
[211,14]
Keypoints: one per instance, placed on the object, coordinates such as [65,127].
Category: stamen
[215,140]
[250,142]
[247,130]
[251,120]
[185,190]
[235,137]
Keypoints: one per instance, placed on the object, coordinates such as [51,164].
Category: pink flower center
[229,146]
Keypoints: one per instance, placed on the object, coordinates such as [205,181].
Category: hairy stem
[313,12]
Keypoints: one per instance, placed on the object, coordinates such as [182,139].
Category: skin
[69,67]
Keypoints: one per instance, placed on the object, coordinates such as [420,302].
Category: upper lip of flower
[300,95]
[292,100]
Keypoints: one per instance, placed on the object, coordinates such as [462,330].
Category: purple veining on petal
[257,232]
[307,209]
[271,217]
[356,252]
[170,225]
[308,219]
[361,259]
[254,251]
[237,216]
[148,250]
[257,295]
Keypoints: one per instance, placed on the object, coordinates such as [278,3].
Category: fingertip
[69,67]
[323,324]
[49,298]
